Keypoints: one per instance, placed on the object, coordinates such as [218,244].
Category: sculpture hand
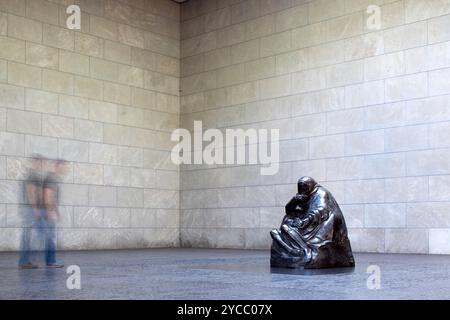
[299,224]
[304,223]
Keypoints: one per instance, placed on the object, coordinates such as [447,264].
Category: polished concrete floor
[222,274]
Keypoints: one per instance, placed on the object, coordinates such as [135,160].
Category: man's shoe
[28,265]
[55,266]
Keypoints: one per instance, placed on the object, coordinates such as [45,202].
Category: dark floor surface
[222,274]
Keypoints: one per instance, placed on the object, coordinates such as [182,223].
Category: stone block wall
[364,111]
[105,98]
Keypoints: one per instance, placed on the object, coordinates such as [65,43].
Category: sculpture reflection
[313,233]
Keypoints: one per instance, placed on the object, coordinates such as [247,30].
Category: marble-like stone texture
[102,196]
[3,24]
[88,88]
[362,111]
[25,29]
[88,217]
[72,150]
[58,37]
[88,45]
[106,100]
[177,273]
[45,146]
[59,82]
[24,75]
[88,174]
[42,56]
[58,127]
[362,173]
[88,130]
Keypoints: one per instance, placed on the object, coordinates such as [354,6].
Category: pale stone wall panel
[81,95]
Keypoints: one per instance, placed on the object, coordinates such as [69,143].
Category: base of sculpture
[286,262]
[331,257]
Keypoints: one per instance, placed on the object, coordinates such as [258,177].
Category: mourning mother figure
[313,233]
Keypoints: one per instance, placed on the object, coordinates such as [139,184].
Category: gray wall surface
[366,112]
[105,98]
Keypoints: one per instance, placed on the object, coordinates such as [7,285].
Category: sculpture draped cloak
[323,243]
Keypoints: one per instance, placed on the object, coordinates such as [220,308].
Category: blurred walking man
[40,214]
[50,196]
[33,210]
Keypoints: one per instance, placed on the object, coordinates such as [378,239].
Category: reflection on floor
[222,274]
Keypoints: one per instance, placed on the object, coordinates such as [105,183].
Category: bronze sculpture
[313,233]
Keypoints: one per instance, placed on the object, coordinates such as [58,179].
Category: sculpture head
[306,185]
